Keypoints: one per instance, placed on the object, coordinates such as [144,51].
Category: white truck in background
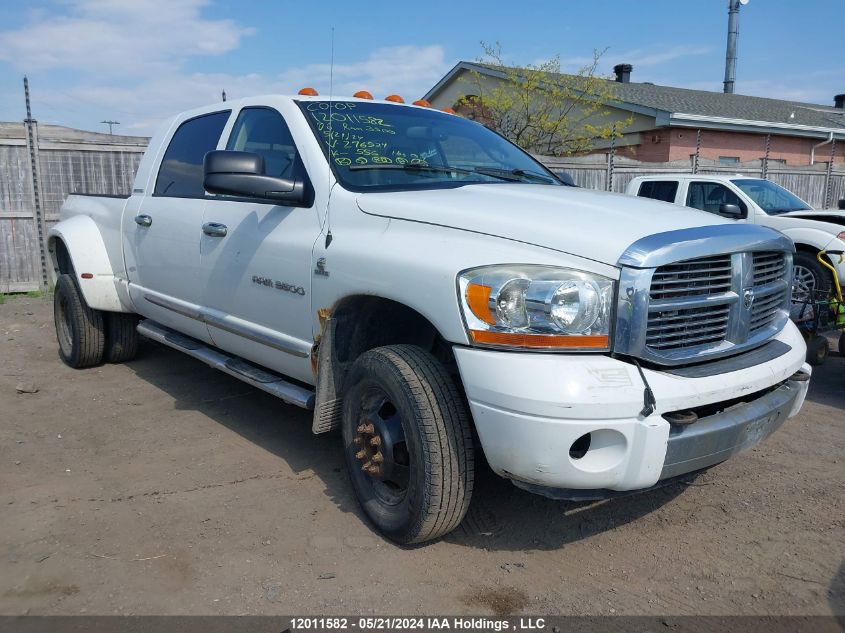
[424,286]
[758,201]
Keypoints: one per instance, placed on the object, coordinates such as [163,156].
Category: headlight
[537,307]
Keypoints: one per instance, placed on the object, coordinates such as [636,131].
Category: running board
[258,377]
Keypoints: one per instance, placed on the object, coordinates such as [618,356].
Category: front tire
[808,276]
[79,329]
[818,350]
[408,443]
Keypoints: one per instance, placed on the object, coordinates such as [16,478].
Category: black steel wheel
[407,443]
[842,344]
[79,329]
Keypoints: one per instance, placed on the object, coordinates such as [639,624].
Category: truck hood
[830,217]
[590,224]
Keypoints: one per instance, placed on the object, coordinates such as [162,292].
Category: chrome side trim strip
[234,325]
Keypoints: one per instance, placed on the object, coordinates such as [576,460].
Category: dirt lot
[162,486]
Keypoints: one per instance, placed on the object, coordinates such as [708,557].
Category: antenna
[224,95]
[331,139]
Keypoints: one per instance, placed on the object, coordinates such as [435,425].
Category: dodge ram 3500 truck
[758,201]
[425,286]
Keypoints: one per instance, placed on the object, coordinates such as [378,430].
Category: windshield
[772,198]
[380,147]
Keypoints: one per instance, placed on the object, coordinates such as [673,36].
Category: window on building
[728,160]
[664,190]
[777,161]
[263,131]
[710,196]
[180,174]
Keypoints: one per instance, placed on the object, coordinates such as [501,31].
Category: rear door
[257,264]
[162,244]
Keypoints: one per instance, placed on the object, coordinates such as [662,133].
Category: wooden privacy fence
[39,166]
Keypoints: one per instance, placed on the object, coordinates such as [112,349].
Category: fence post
[697,151]
[764,173]
[35,173]
[828,177]
[610,156]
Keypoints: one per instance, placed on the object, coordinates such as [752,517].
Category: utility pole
[31,126]
[730,53]
[111,124]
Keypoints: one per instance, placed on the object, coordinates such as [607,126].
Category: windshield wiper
[515,175]
[413,167]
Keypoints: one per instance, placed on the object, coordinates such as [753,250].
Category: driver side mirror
[731,211]
[842,204]
[242,174]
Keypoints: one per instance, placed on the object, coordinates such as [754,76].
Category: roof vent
[839,102]
[623,73]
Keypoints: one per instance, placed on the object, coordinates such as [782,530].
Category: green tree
[540,108]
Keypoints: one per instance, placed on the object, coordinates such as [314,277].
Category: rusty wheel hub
[380,446]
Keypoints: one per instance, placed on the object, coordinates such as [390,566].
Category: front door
[162,239]
[256,259]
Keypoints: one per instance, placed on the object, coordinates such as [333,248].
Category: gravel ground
[164,487]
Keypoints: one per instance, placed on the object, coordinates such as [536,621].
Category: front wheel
[408,443]
[809,276]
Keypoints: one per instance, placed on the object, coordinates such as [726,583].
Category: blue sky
[137,61]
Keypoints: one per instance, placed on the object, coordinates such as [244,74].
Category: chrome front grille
[706,276]
[676,329]
[768,267]
[693,294]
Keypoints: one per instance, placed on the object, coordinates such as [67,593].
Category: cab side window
[180,174]
[709,196]
[664,190]
[263,131]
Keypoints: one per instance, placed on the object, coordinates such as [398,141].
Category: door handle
[214,229]
[143,220]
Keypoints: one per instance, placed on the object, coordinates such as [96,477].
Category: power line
[110,123]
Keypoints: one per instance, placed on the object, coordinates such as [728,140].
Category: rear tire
[121,337]
[408,443]
[79,329]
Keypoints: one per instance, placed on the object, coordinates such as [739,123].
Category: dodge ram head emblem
[748,298]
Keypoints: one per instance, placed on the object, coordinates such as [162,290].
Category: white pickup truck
[758,201]
[427,287]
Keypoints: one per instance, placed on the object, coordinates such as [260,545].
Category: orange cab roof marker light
[422,102]
[394,99]
[447,110]
[309,92]
[363,94]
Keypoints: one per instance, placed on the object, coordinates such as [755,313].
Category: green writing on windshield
[361,139]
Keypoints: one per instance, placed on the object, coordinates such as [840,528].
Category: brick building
[665,121]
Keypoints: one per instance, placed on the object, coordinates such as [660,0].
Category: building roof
[700,108]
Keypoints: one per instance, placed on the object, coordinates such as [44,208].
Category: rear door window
[180,174]
[664,190]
